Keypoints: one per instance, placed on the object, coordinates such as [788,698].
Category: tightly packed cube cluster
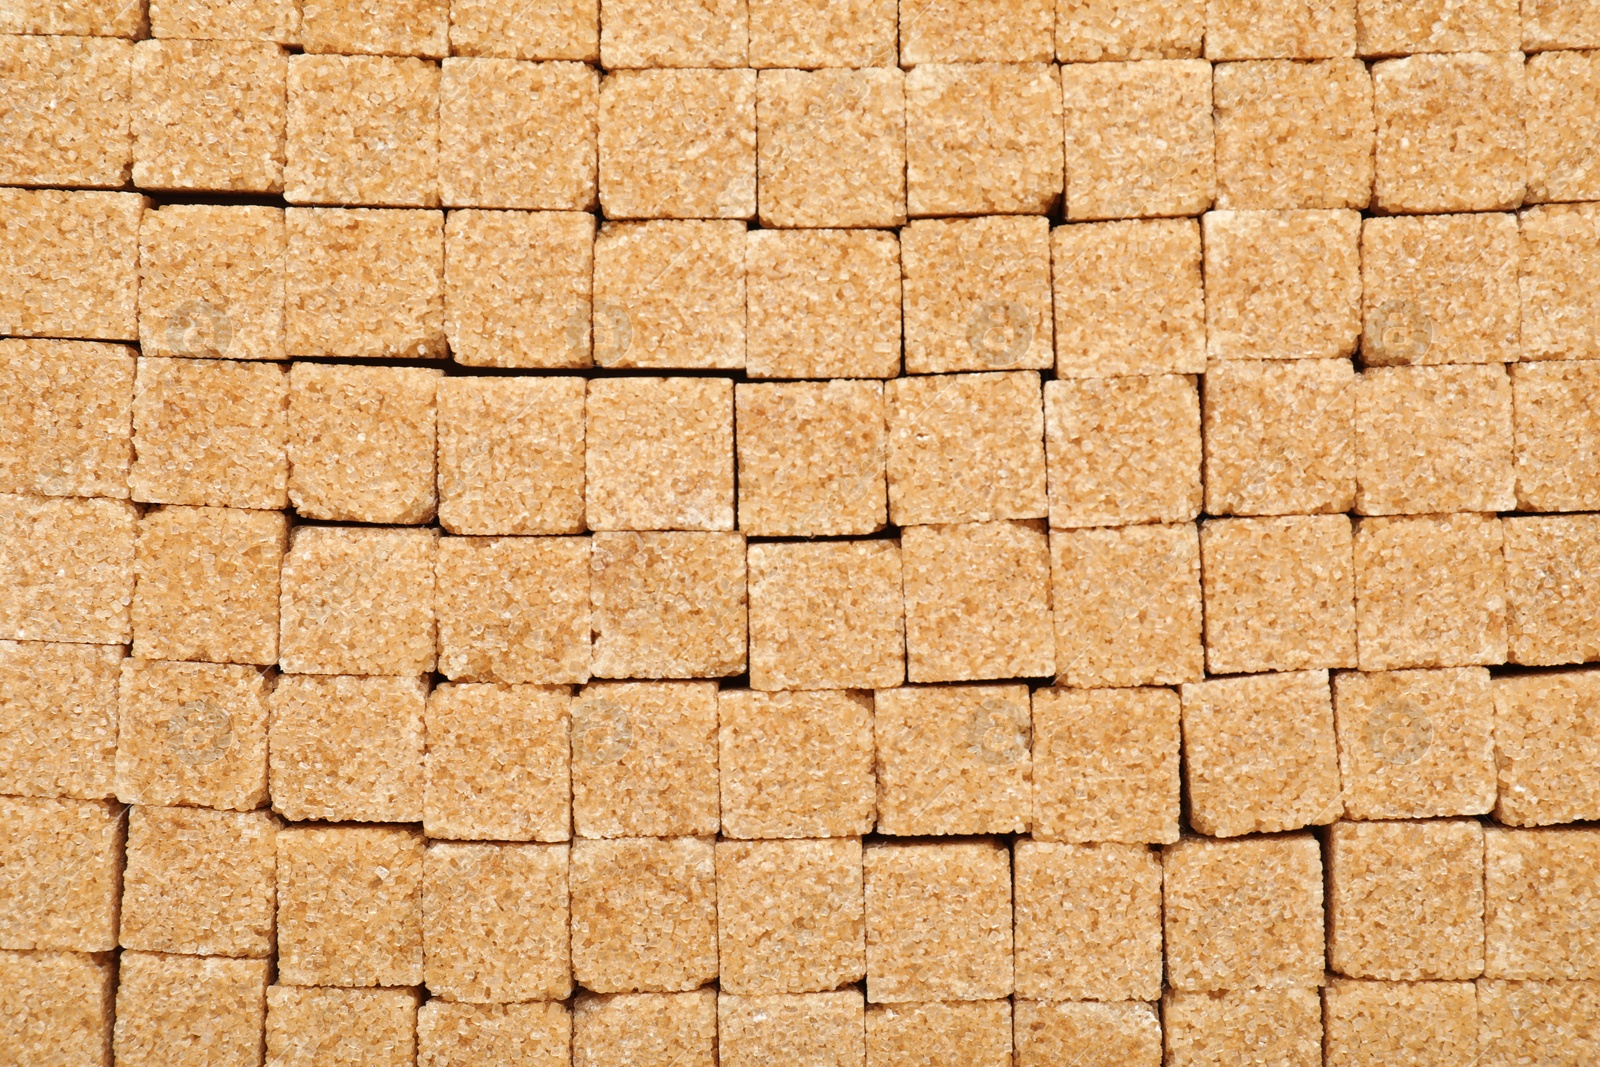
[865,533]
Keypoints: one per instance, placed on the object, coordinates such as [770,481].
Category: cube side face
[313,1027]
[1386,1022]
[200,882]
[72,107]
[1127,605]
[790,916]
[273,21]
[1415,744]
[1537,1022]
[519,1035]
[160,997]
[498,764]
[927,939]
[812,1027]
[419,29]
[1094,31]
[340,104]
[953,760]
[668,605]
[1094,1035]
[58,1004]
[669,293]
[977,1033]
[69,569]
[192,733]
[645,760]
[514,609]
[69,408]
[644,914]
[1544,746]
[58,720]
[1390,27]
[1259,29]
[60,883]
[675,33]
[525,29]
[69,264]
[957,31]
[343,748]
[1557,281]
[1548,24]
[1556,436]
[87,18]
[1105,765]
[1540,904]
[1282,1025]
[836,33]
[647,437]
[648,1028]
[1406,900]
[1243,914]
[823,304]
[1547,601]
[350,907]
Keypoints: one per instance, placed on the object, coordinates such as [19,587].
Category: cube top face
[789,916]
[668,605]
[58,723]
[1368,1021]
[670,293]
[69,264]
[1543,739]
[1543,556]
[58,881]
[86,82]
[69,576]
[1539,903]
[645,760]
[368,1026]
[69,1000]
[498,766]
[958,31]
[70,423]
[1303,29]
[644,914]
[645,438]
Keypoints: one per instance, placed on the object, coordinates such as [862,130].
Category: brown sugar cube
[69,264]
[644,760]
[1550,607]
[57,1006]
[960,31]
[1093,31]
[795,764]
[525,29]
[277,21]
[1433,439]
[182,1011]
[61,873]
[1450,132]
[790,915]
[58,719]
[821,1028]
[1105,765]
[419,28]
[69,418]
[517,135]
[91,18]
[517,288]
[830,147]
[1544,733]
[1558,280]
[358,601]
[1260,753]
[1562,147]
[1415,744]
[1430,1024]
[977,294]
[645,1029]
[1540,903]
[983,138]
[826,615]
[1129,298]
[199,882]
[210,432]
[1440,289]
[1139,138]
[1127,605]
[340,109]
[1277,1026]
[494,922]
[1556,435]
[498,764]
[192,733]
[350,906]
[669,294]
[514,609]
[1313,261]
[211,282]
[1279,437]
[966,448]
[1406,899]
[811,458]
[209,115]
[822,304]
[67,567]
[832,33]
[1404,27]
[1243,914]
[1088,921]
[1537,1022]
[1275,117]
[1430,592]
[674,33]
[1123,450]
[668,605]
[517,1035]
[977,601]
[69,110]
[971,1033]
[644,915]
[511,455]
[678,144]
[953,760]
[1550,24]
[659,454]
[343,748]
[1086,1034]
[341,1027]
[394,310]
[208,584]
[1272,29]
[938,921]
[1279,593]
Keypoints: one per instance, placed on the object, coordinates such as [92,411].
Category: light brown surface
[823,1028]
[961,31]
[498,764]
[525,29]
[67,569]
[1556,436]
[644,916]
[58,1004]
[972,1033]
[362,130]
[833,33]
[790,916]
[678,144]
[659,454]
[1549,597]
[1550,1022]
[277,21]
[668,605]
[347,748]
[645,1029]
[513,609]
[669,293]
[69,425]
[517,135]
[340,1027]
[69,264]
[644,760]
[1093,30]
[674,33]
[1267,29]
[418,28]
[68,122]
[1562,140]
[211,282]
[1558,281]
[1105,765]
[822,304]
[1540,898]
[516,1035]
[58,719]
[1399,27]
[811,457]
[182,1011]
[1421,1023]
[1545,747]
[59,882]
[1278,1026]
[1086,1034]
